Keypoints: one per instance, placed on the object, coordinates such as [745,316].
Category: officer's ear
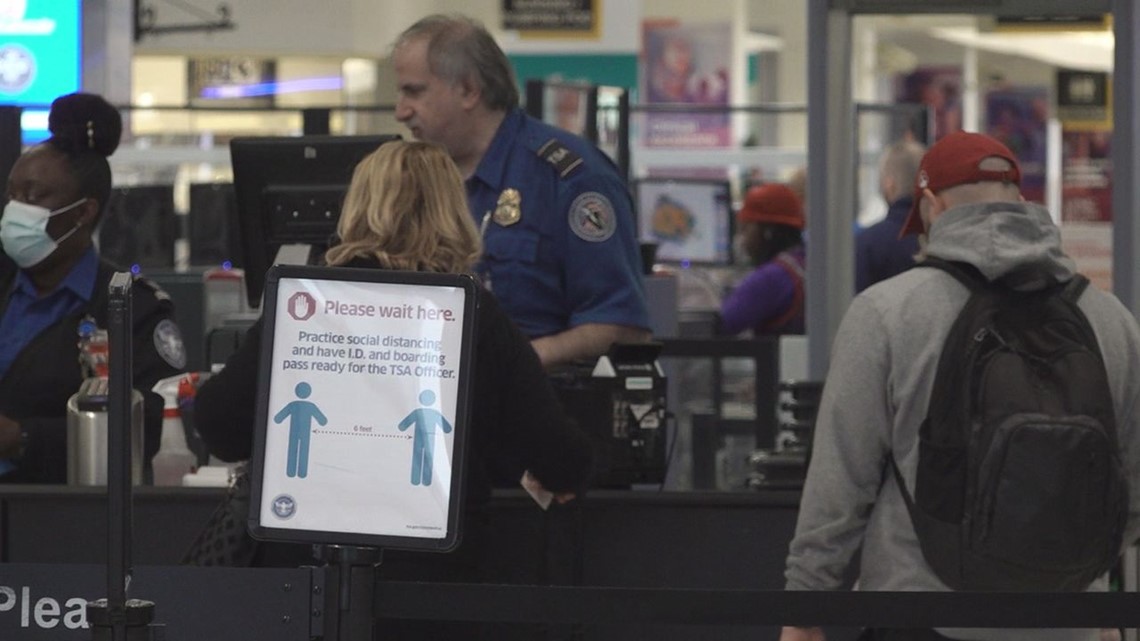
[470,94]
[89,213]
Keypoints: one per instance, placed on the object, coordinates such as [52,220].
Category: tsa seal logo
[592,217]
[302,306]
[284,506]
[168,343]
[17,68]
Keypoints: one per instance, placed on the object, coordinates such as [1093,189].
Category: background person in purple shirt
[770,299]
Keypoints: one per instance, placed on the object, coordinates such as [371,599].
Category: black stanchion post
[116,618]
[349,591]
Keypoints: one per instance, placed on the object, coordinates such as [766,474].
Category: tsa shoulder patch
[168,343]
[592,217]
[564,160]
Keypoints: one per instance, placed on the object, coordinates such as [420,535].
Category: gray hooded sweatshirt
[877,390]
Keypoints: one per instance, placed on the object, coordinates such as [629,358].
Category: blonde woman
[405,209]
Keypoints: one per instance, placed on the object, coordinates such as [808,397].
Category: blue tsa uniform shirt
[558,230]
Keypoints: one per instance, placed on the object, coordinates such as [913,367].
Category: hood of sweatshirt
[1017,243]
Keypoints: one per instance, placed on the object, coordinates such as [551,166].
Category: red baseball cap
[774,204]
[956,160]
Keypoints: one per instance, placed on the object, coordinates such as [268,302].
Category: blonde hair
[406,208]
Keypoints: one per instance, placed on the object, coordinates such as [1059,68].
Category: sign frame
[461,420]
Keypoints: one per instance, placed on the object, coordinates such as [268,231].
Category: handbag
[225,541]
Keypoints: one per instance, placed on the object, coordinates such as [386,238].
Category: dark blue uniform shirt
[26,314]
[879,252]
[572,256]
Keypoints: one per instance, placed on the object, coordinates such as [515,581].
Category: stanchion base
[136,616]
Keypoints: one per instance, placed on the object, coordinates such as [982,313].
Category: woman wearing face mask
[53,288]
[769,300]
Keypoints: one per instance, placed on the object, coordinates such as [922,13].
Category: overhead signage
[1083,97]
[363,407]
[551,15]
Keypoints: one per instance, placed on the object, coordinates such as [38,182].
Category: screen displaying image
[689,219]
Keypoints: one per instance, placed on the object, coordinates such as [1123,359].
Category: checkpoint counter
[618,537]
[53,539]
[637,538]
[705,546]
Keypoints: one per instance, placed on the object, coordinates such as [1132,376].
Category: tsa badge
[168,343]
[508,210]
[592,217]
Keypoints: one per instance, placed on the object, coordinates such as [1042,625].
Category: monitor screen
[289,191]
[689,219]
[39,57]
[213,225]
[139,227]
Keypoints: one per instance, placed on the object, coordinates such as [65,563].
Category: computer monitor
[213,226]
[690,219]
[139,227]
[289,191]
[41,52]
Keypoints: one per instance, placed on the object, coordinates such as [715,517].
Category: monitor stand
[293,254]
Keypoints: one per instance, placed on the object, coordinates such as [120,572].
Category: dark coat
[47,372]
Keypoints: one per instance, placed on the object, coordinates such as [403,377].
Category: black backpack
[1020,484]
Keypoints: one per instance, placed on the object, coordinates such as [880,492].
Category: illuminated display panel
[39,57]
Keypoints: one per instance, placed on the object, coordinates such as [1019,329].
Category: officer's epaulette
[555,153]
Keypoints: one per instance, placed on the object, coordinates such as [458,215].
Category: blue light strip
[273,88]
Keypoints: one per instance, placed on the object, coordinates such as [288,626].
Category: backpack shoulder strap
[907,498]
[1074,288]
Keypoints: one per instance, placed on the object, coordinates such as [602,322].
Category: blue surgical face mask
[23,231]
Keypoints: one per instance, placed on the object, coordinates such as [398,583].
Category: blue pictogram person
[425,420]
[301,414]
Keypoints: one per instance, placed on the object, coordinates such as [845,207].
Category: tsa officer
[54,292]
[560,253]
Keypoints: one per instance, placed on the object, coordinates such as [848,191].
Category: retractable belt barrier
[624,606]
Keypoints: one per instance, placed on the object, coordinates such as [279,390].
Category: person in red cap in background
[770,299]
[886,353]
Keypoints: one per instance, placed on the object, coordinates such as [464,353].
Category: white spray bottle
[174,458]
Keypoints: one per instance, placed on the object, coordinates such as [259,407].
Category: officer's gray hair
[460,49]
[901,161]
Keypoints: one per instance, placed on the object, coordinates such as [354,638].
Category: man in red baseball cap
[770,299]
[886,361]
[958,159]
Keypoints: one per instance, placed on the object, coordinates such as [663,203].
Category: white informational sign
[362,408]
